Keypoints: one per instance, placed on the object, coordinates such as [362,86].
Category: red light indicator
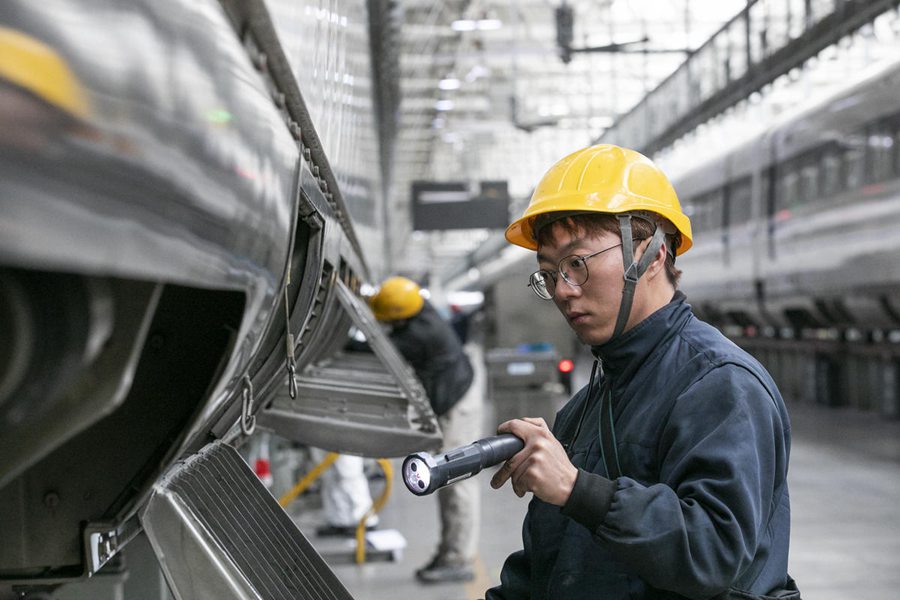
[565,366]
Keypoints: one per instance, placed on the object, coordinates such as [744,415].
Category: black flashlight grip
[495,450]
[468,461]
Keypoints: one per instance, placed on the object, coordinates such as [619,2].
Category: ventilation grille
[264,546]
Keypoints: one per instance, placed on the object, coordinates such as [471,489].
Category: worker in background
[345,495]
[431,347]
[666,476]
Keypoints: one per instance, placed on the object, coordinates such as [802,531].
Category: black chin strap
[634,270]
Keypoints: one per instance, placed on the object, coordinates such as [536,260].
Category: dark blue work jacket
[701,508]
[433,350]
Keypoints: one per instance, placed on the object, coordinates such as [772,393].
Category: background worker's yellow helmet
[603,179]
[36,67]
[398,298]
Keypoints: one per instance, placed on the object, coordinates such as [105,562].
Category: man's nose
[564,289]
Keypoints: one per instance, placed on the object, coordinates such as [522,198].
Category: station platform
[845,543]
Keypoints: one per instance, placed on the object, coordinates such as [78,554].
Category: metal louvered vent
[219,534]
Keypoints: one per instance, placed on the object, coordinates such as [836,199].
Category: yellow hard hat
[603,179]
[398,298]
[34,66]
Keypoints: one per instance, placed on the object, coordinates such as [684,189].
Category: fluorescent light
[489,24]
[463,25]
[443,105]
[465,298]
[450,83]
[601,122]
[480,25]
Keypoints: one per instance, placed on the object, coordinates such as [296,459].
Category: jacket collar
[622,357]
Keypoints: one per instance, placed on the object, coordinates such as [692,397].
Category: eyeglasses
[572,268]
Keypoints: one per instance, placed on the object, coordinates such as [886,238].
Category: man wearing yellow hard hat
[665,477]
[433,349]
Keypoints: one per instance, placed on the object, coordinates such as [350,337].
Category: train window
[740,201]
[853,161]
[808,184]
[831,172]
[689,208]
[788,188]
[699,210]
[707,211]
[764,192]
[696,207]
[715,201]
[897,152]
[879,155]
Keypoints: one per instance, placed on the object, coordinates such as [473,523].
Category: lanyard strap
[569,445]
[607,432]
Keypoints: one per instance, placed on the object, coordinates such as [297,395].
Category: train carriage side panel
[152,213]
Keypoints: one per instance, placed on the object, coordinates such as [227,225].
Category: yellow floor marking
[475,589]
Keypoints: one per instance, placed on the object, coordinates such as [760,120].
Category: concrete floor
[845,487]
[845,497]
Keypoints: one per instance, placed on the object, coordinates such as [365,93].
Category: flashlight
[424,473]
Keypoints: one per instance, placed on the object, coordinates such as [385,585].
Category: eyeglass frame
[554,274]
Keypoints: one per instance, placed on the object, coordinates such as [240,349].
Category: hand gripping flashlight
[424,473]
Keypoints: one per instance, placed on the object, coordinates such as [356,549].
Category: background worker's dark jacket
[702,506]
[430,345]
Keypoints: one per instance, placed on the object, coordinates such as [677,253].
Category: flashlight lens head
[416,475]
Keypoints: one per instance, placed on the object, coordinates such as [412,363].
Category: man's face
[592,308]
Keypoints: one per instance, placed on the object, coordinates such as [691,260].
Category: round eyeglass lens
[542,284]
[574,269]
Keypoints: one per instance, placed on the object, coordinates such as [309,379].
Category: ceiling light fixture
[443,105]
[480,24]
[449,83]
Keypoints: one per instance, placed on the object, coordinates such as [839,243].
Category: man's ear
[659,263]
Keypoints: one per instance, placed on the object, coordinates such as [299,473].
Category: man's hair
[641,228]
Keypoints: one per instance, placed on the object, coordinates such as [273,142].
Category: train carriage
[795,228]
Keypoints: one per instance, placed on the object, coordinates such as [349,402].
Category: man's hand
[541,467]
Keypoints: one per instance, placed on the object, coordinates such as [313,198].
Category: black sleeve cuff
[590,499]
